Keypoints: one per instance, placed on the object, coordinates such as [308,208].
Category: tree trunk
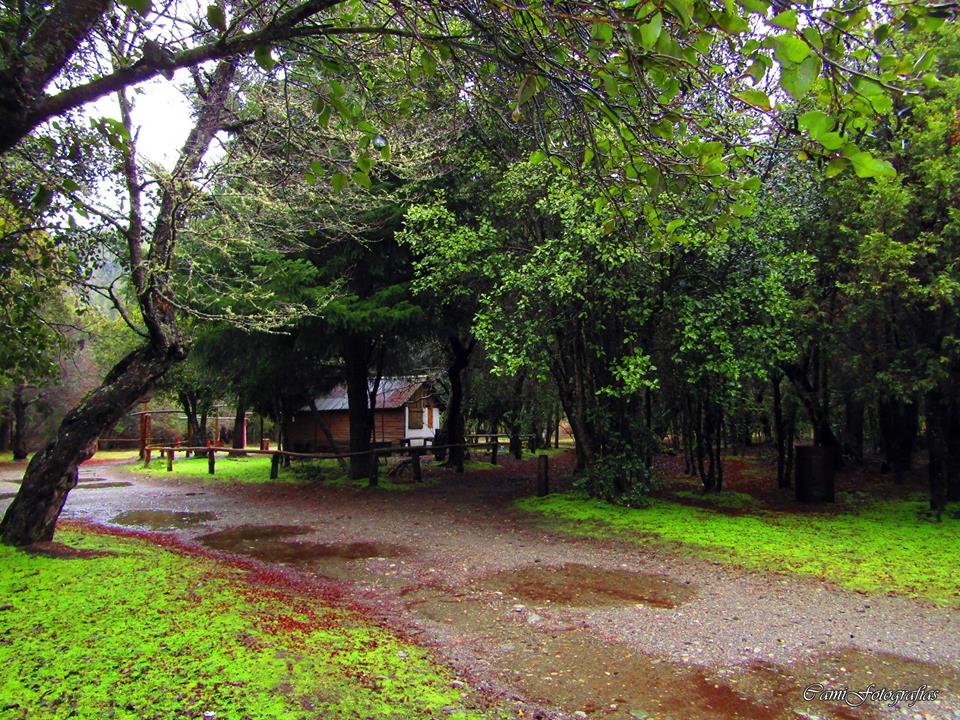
[239,418]
[937,417]
[19,423]
[853,427]
[779,431]
[6,432]
[189,404]
[454,421]
[899,423]
[52,472]
[514,421]
[356,357]
[717,457]
[814,398]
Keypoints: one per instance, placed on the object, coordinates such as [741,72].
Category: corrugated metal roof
[392,393]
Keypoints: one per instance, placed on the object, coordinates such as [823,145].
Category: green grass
[249,469]
[882,546]
[485,464]
[254,469]
[147,633]
[117,454]
[727,499]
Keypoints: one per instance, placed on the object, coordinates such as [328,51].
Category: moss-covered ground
[148,633]
[879,545]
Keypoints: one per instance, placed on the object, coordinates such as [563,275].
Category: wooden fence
[415,452]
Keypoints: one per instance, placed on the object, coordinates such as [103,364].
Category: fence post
[543,479]
[494,448]
[516,446]
[170,460]
[146,457]
[374,469]
[212,461]
[275,466]
[415,461]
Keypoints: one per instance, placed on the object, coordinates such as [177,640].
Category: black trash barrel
[813,476]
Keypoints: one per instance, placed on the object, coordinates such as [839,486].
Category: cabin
[407,411]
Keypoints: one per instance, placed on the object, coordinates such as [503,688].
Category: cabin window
[414,418]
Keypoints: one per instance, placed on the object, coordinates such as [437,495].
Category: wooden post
[275,466]
[374,469]
[494,448]
[415,462]
[170,460]
[543,478]
[146,457]
[212,461]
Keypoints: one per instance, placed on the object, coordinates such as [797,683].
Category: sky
[162,115]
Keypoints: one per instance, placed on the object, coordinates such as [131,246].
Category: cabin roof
[393,393]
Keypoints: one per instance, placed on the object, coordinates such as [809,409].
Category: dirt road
[561,627]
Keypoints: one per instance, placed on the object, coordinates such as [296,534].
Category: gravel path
[644,633]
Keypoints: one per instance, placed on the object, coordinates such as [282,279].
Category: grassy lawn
[148,633]
[117,454]
[249,469]
[256,469]
[880,546]
[483,457]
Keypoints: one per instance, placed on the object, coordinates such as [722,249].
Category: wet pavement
[162,519]
[565,628]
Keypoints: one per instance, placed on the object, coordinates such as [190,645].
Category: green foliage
[172,635]
[878,547]
[29,303]
[623,478]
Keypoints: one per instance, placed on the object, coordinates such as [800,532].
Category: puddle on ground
[585,586]
[574,671]
[262,542]
[162,519]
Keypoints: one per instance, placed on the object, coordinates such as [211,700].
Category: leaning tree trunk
[52,473]
[32,515]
